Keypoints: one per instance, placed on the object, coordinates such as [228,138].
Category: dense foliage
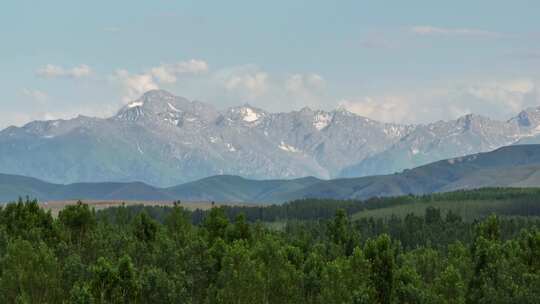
[125,255]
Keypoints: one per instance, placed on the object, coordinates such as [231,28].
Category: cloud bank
[55,71]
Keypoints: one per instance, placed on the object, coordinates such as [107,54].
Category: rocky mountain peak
[246,114]
[306,110]
[322,119]
[160,105]
[528,118]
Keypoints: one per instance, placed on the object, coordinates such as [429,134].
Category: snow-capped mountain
[165,140]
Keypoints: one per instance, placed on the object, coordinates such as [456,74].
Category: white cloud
[14,119]
[227,86]
[383,108]
[247,81]
[304,83]
[442,31]
[496,99]
[162,74]
[167,73]
[511,94]
[305,90]
[36,95]
[134,85]
[54,71]
[254,84]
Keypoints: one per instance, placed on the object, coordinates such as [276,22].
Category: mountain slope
[238,189]
[512,166]
[444,139]
[508,166]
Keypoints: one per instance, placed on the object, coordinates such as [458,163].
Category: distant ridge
[166,140]
[512,166]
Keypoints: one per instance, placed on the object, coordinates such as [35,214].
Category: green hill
[512,166]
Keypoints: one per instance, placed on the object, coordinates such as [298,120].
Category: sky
[394,61]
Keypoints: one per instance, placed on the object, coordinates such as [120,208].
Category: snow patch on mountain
[135,104]
[249,115]
[285,147]
[172,121]
[394,130]
[173,108]
[230,147]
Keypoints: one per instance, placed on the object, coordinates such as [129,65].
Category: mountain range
[163,140]
[512,166]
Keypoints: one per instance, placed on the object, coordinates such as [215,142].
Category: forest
[308,251]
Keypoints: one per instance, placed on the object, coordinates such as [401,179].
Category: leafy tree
[336,282]
[81,294]
[79,221]
[216,223]
[104,281]
[25,219]
[433,216]
[240,229]
[312,269]
[145,228]
[408,286]
[115,283]
[489,283]
[128,281]
[449,287]
[159,287]
[338,227]
[30,273]
[530,250]
[381,254]
[282,279]
[178,223]
[241,277]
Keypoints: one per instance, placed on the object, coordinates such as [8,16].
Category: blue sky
[400,61]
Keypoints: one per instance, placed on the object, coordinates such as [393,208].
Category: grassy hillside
[470,205]
[229,188]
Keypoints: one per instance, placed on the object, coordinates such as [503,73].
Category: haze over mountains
[164,140]
[513,166]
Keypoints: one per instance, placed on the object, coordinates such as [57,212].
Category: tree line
[522,201]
